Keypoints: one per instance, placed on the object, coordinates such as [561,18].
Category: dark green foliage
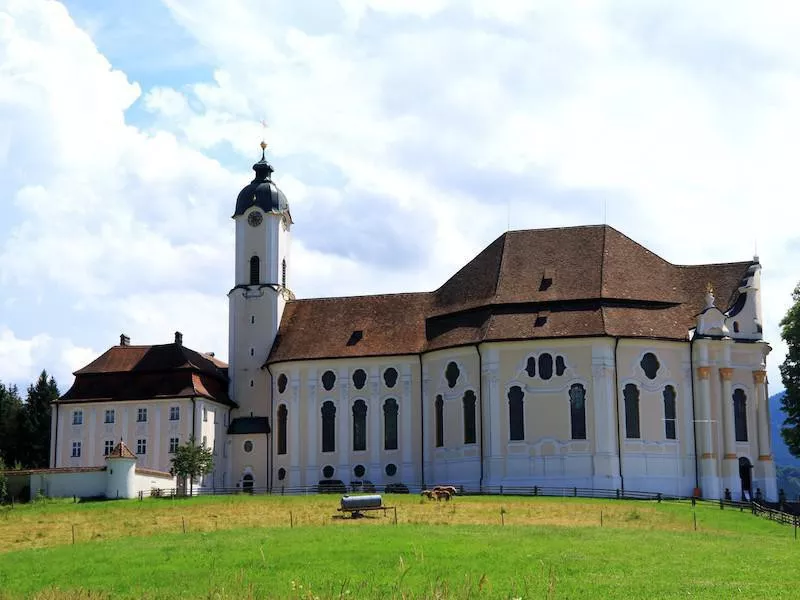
[789,481]
[25,426]
[10,418]
[3,482]
[790,374]
[192,461]
[35,424]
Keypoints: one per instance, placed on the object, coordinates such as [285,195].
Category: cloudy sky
[407,134]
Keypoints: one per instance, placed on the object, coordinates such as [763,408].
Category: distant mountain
[779,449]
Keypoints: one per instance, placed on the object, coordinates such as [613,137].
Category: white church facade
[566,357]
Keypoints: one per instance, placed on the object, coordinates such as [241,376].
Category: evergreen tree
[10,418]
[35,425]
[192,461]
[790,374]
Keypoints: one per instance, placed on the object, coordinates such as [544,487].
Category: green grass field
[490,547]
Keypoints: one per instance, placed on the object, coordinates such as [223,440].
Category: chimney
[179,338]
[124,340]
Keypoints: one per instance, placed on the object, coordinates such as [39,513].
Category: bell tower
[256,302]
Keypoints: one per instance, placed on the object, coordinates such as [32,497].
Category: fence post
[536,490]
[617,493]
[575,492]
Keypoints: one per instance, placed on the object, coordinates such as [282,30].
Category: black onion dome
[261,192]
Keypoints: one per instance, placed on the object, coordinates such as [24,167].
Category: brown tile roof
[55,471]
[542,283]
[153,473]
[125,373]
[121,450]
[327,327]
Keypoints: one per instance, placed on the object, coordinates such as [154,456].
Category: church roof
[126,372]
[533,284]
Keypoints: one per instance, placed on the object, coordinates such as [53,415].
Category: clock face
[255,218]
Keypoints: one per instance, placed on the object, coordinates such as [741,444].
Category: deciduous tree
[790,374]
[192,461]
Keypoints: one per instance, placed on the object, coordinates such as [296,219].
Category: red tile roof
[121,450]
[579,281]
[124,373]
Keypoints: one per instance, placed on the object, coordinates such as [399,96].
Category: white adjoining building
[567,357]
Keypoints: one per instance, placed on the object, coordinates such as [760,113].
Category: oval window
[328,471]
[391,469]
[359,471]
[328,380]
[359,378]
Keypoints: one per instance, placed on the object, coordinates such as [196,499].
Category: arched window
[255,270]
[282,414]
[740,415]
[247,482]
[328,426]
[469,417]
[546,366]
[439,406]
[577,411]
[669,413]
[631,395]
[359,425]
[516,414]
[283,272]
[390,424]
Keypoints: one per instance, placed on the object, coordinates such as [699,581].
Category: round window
[248,446]
[327,471]
[359,471]
[281,474]
[391,469]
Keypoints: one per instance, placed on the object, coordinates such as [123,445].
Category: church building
[569,357]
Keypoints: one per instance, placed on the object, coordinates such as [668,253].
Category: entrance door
[746,476]
[247,483]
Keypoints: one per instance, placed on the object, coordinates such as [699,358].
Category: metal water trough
[355,505]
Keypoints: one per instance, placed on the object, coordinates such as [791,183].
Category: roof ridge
[502,261]
[385,295]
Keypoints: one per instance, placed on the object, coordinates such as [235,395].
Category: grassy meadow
[298,547]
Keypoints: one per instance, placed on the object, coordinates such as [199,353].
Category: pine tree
[790,374]
[10,419]
[35,425]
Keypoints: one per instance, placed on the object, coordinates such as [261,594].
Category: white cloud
[420,124]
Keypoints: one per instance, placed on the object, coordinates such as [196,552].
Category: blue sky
[407,134]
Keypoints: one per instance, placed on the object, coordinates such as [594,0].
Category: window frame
[141,412]
[516,414]
[468,405]
[77,416]
[141,447]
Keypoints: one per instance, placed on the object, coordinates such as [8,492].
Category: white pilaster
[730,464]
[314,430]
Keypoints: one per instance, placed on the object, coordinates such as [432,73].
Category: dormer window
[547,280]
